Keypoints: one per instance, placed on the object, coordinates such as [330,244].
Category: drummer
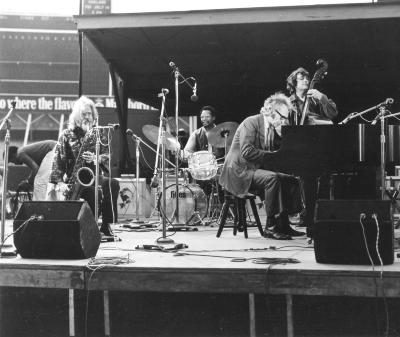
[198,140]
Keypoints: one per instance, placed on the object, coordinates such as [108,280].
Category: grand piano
[346,156]
[312,150]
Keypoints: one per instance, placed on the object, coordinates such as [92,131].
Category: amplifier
[339,232]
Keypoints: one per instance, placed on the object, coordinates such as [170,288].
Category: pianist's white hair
[75,118]
[277,99]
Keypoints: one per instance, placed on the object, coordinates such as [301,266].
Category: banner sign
[59,103]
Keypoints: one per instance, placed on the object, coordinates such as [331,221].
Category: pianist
[242,173]
[321,109]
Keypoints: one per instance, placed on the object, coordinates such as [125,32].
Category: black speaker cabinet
[338,234]
[65,230]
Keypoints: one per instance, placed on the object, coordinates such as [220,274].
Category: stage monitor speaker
[60,230]
[338,234]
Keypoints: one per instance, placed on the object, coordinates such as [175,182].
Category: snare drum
[202,165]
[192,201]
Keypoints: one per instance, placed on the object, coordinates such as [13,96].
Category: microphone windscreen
[194,98]
[129,132]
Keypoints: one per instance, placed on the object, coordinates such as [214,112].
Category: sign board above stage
[46,103]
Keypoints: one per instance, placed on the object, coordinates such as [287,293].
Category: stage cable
[144,159]
[363,217]
[100,263]
[375,217]
[110,175]
[31,219]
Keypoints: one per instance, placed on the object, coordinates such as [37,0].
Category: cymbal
[151,132]
[222,132]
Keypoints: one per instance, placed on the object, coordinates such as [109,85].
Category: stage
[209,265]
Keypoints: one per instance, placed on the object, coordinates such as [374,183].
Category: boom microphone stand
[164,239]
[6,121]
[381,116]
[97,129]
[359,114]
[177,76]
[137,142]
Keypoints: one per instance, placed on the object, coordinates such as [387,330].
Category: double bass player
[320,110]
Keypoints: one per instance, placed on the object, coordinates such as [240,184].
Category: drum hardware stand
[225,134]
[6,121]
[177,225]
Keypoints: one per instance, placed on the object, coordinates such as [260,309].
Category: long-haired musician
[76,148]
[321,109]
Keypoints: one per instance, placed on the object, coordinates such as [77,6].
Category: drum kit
[202,165]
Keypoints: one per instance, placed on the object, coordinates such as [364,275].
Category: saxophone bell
[85,176]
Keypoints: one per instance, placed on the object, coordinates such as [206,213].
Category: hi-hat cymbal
[151,132]
[222,134]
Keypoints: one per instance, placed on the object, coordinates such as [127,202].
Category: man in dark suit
[243,172]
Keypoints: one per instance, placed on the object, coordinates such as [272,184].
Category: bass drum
[192,203]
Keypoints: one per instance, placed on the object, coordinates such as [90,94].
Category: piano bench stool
[239,210]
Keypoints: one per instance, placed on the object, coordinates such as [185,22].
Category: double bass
[318,76]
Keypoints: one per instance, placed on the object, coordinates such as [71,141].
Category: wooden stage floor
[210,265]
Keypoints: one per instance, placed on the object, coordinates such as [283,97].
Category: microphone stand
[382,117]
[164,239]
[96,176]
[6,121]
[176,214]
[358,114]
[177,74]
[383,156]
[137,141]
[97,171]
[149,146]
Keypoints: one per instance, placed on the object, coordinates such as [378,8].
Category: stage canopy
[240,56]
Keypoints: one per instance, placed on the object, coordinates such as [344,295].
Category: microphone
[194,97]
[172,65]
[129,132]
[154,181]
[164,92]
[344,121]
[114,126]
[388,101]
[375,120]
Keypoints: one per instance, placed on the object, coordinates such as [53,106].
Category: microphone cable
[22,226]
[375,217]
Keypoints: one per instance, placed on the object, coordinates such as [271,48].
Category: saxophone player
[76,147]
